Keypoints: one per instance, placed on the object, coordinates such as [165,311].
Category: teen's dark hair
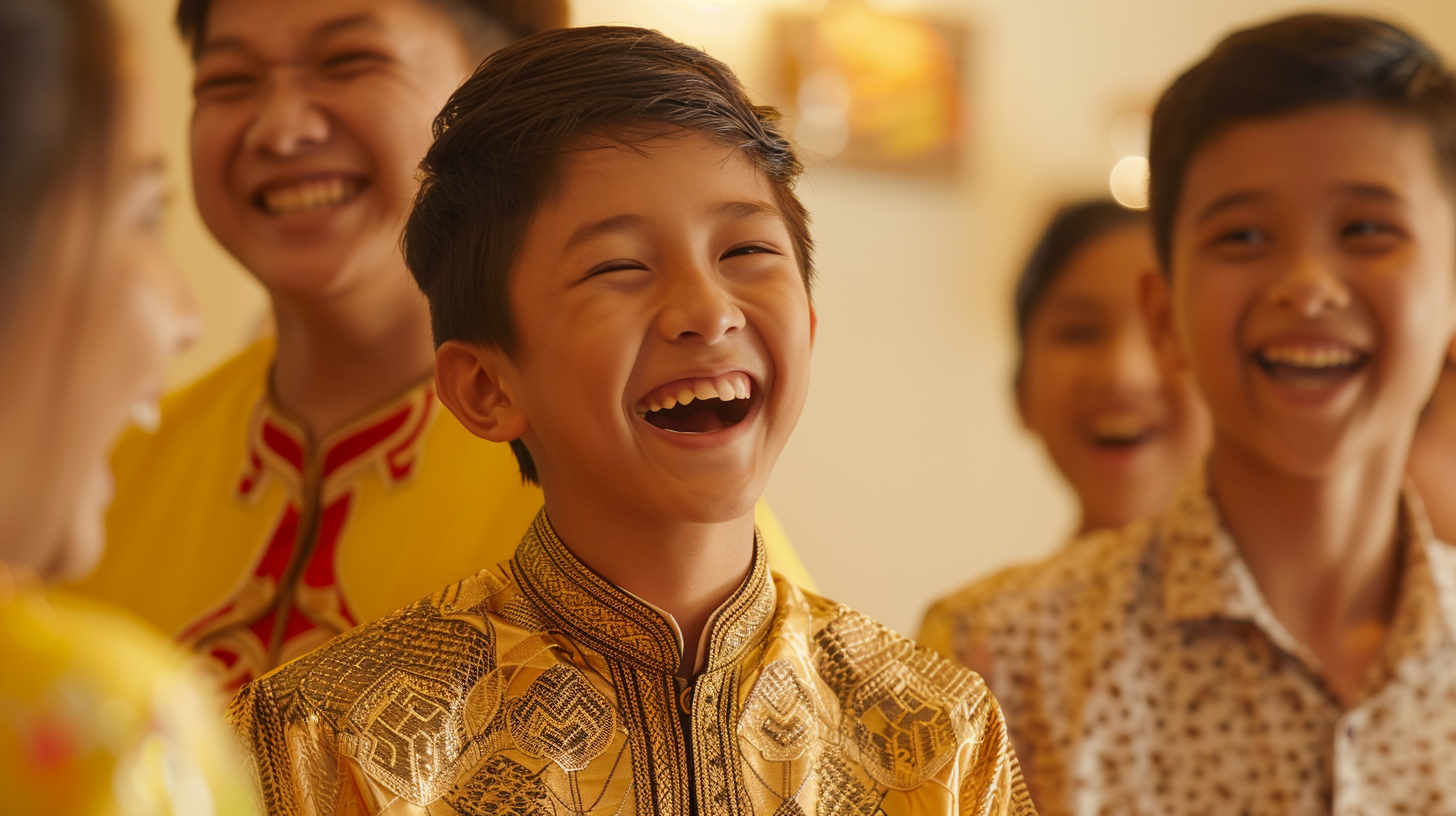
[1072,227]
[485,25]
[1286,66]
[59,107]
[500,140]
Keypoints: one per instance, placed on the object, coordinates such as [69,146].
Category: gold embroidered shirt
[536,687]
[1142,672]
[253,544]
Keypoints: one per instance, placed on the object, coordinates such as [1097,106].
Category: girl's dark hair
[485,25]
[59,106]
[1072,227]
[501,137]
[1286,66]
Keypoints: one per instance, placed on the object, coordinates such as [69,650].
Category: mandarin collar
[1207,578]
[388,438]
[623,627]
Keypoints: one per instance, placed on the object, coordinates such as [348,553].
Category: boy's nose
[288,120]
[698,307]
[1309,286]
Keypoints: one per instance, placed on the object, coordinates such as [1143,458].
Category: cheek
[212,139]
[393,147]
[1208,320]
[1048,390]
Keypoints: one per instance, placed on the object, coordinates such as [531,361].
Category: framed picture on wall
[872,88]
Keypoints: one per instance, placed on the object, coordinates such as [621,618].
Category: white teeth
[308,195]
[1310,356]
[726,387]
[147,415]
[1118,427]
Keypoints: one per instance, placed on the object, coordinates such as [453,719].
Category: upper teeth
[726,387]
[1118,427]
[309,195]
[1310,356]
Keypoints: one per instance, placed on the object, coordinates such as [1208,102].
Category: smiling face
[91,350]
[664,333]
[1120,427]
[310,120]
[1314,284]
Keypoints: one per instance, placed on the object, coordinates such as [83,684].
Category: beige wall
[908,474]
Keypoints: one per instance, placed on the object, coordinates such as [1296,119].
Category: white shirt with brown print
[1142,672]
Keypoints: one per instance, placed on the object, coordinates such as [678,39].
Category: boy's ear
[1157,306]
[813,324]
[477,386]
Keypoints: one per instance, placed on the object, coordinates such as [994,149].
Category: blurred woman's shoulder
[99,714]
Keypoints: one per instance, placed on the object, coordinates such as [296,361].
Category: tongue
[695,417]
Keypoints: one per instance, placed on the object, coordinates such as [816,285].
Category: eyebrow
[320,32]
[1356,189]
[1228,202]
[628,221]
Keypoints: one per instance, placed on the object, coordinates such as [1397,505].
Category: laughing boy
[1282,639]
[618,274]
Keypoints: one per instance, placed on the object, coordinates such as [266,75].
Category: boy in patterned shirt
[618,275]
[1282,639]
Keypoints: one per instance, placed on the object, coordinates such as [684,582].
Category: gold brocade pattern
[539,688]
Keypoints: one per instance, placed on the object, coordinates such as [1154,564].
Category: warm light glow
[1129,182]
[1128,134]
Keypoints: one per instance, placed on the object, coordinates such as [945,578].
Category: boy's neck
[1324,551]
[339,357]
[687,570]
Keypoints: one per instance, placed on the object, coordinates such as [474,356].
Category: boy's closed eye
[223,82]
[347,63]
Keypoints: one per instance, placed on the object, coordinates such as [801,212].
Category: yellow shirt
[232,532]
[538,687]
[101,717]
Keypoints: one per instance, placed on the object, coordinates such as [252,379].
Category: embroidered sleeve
[991,781]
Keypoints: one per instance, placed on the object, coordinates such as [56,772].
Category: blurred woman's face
[1118,425]
[88,354]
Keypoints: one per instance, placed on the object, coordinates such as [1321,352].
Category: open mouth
[1311,365]
[1121,432]
[699,405]
[309,195]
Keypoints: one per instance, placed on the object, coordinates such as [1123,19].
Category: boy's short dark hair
[1073,227]
[485,25]
[1285,66]
[500,140]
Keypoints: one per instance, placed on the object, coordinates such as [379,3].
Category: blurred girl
[97,715]
[1120,429]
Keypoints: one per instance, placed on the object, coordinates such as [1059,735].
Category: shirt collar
[1206,577]
[387,439]
[622,626]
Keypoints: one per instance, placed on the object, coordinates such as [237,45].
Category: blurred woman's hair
[1073,227]
[60,102]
